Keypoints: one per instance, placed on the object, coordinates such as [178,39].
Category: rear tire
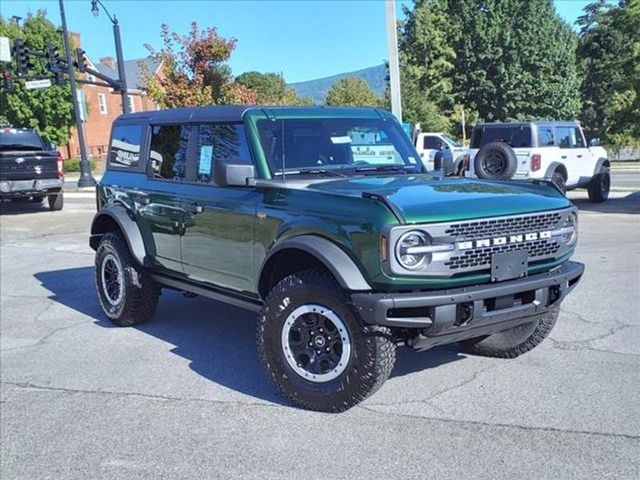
[56,200]
[128,296]
[515,341]
[600,186]
[496,161]
[356,363]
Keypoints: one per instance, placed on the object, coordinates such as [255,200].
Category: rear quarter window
[125,146]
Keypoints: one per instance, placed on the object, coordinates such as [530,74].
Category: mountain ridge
[376,78]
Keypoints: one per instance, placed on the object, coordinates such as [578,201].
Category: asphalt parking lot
[185,396]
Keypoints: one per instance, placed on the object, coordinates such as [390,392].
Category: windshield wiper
[312,171]
[385,168]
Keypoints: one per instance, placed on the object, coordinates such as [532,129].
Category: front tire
[600,186]
[316,349]
[128,296]
[515,341]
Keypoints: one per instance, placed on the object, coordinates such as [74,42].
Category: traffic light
[54,62]
[81,60]
[7,81]
[21,52]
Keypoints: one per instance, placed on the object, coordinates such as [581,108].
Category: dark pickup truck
[30,168]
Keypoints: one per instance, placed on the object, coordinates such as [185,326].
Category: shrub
[72,165]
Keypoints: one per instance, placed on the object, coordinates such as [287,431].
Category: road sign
[5,50]
[34,84]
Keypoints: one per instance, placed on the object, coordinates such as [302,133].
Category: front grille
[481,257]
[477,258]
[503,226]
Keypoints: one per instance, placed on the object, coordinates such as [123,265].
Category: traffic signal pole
[86,179]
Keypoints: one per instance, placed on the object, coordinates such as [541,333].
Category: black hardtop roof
[555,123]
[234,113]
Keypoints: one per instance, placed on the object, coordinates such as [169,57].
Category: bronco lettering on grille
[505,240]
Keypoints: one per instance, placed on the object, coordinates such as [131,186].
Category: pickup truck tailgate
[28,165]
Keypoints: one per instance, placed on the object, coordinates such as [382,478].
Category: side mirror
[234,174]
[594,142]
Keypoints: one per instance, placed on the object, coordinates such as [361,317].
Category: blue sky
[302,39]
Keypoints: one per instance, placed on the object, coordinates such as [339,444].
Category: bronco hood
[425,199]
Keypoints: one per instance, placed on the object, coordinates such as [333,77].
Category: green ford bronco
[325,222]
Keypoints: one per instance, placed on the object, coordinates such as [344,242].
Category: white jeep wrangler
[555,151]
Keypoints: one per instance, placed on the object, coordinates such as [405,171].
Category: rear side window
[545,136]
[518,136]
[125,146]
[219,142]
[431,143]
[168,152]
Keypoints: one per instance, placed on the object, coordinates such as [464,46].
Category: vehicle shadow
[628,204]
[8,207]
[217,339]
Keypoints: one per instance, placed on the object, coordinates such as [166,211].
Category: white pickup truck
[428,143]
[555,151]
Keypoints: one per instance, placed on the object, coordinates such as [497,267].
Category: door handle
[579,156]
[563,156]
[193,207]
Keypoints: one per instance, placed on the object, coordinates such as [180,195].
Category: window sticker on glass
[206,154]
[411,160]
[341,140]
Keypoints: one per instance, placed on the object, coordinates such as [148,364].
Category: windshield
[336,145]
[451,141]
[14,139]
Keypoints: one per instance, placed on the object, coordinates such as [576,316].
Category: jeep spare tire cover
[496,161]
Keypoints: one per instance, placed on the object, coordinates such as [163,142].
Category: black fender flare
[129,228]
[599,164]
[341,266]
[553,166]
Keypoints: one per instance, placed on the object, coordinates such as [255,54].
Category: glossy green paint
[228,242]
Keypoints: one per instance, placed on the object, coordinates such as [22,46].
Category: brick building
[103,105]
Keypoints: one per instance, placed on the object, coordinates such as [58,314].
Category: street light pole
[126,107]
[86,179]
[394,63]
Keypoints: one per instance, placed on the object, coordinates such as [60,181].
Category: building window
[102,103]
[132,107]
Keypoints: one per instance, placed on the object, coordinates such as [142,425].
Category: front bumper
[451,315]
[22,188]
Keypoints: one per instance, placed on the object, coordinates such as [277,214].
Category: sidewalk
[71,182]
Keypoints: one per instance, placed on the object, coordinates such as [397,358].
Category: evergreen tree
[514,60]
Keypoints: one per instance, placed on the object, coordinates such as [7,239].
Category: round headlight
[412,260]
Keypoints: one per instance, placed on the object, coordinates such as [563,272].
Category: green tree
[194,70]
[47,110]
[426,63]
[352,92]
[610,54]
[271,89]
[600,51]
[514,60]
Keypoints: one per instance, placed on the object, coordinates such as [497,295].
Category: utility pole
[394,63]
[86,179]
